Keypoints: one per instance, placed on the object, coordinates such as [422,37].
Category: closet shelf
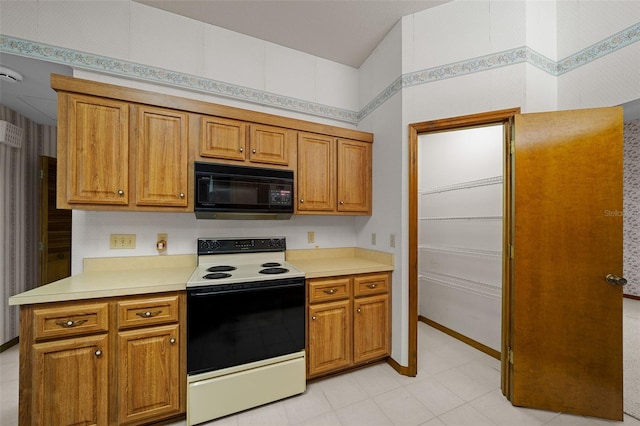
[491,291]
[462,218]
[489,254]
[495,180]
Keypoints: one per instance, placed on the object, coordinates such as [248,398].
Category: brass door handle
[71,323]
[148,314]
[615,280]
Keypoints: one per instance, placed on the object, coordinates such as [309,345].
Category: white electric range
[245,327]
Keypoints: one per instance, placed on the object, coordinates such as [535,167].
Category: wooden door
[565,328]
[148,373]
[269,145]
[370,327]
[95,161]
[70,381]
[55,227]
[162,157]
[223,138]
[330,337]
[316,173]
[354,176]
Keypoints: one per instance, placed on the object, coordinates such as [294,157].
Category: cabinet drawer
[141,312]
[321,290]
[70,320]
[370,284]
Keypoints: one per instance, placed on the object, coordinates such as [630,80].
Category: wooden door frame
[504,117]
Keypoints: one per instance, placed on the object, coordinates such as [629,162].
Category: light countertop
[318,263]
[124,276]
[109,277]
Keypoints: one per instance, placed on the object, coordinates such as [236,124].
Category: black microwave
[224,191]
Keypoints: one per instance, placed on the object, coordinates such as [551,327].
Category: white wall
[459,58]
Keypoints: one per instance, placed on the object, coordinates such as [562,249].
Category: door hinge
[512,251]
[41,174]
[512,146]
[510,355]
[41,246]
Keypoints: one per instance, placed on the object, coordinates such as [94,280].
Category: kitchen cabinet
[348,322]
[161,155]
[334,175]
[103,361]
[93,151]
[239,141]
[108,147]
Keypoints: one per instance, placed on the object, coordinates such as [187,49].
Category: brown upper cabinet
[240,141]
[128,149]
[334,175]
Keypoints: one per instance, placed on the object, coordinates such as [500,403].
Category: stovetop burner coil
[216,276]
[221,268]
[270,264]
[274,271]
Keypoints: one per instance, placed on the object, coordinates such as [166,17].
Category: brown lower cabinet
[348,322]
[103,361]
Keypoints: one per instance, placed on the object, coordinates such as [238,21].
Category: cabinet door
[222,138]
[316,173]
[162,157]
[269,145]
[330,337]
[148,373]
[371,329]
[354,176]
[70,382]
[96,148]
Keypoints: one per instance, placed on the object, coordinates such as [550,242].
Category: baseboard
[631,296]
[479,346]
[9,344]
[401,369]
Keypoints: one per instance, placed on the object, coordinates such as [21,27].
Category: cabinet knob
[71,323]
[341,201]
[372,285]
[253,150]
[301,200]
[182,195]
[241,149]
[359,310]
[330,291]
[120,192]
[98,352]
[313,317]
[172,340]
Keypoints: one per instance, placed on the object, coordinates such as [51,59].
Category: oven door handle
[196,293]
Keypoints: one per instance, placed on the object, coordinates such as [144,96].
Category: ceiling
[342,31]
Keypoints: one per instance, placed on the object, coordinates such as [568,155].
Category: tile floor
[456,385]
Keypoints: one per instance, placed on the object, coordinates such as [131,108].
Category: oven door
[231,325]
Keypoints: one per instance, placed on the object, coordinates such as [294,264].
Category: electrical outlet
[311,237]
[161,242]
[373,238]
[122,241]
[392,240]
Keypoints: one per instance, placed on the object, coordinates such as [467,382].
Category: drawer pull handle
[148,314]
[71,323]
[98,352]
[330,291]
[372,285]
[172,340]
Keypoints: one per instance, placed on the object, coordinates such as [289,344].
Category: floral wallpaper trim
[94,62]
[509,57]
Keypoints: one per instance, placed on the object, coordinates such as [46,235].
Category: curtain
[19,214]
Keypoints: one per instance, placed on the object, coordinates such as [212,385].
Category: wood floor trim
[477,345]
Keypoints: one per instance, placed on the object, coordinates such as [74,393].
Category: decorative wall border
[89,61]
